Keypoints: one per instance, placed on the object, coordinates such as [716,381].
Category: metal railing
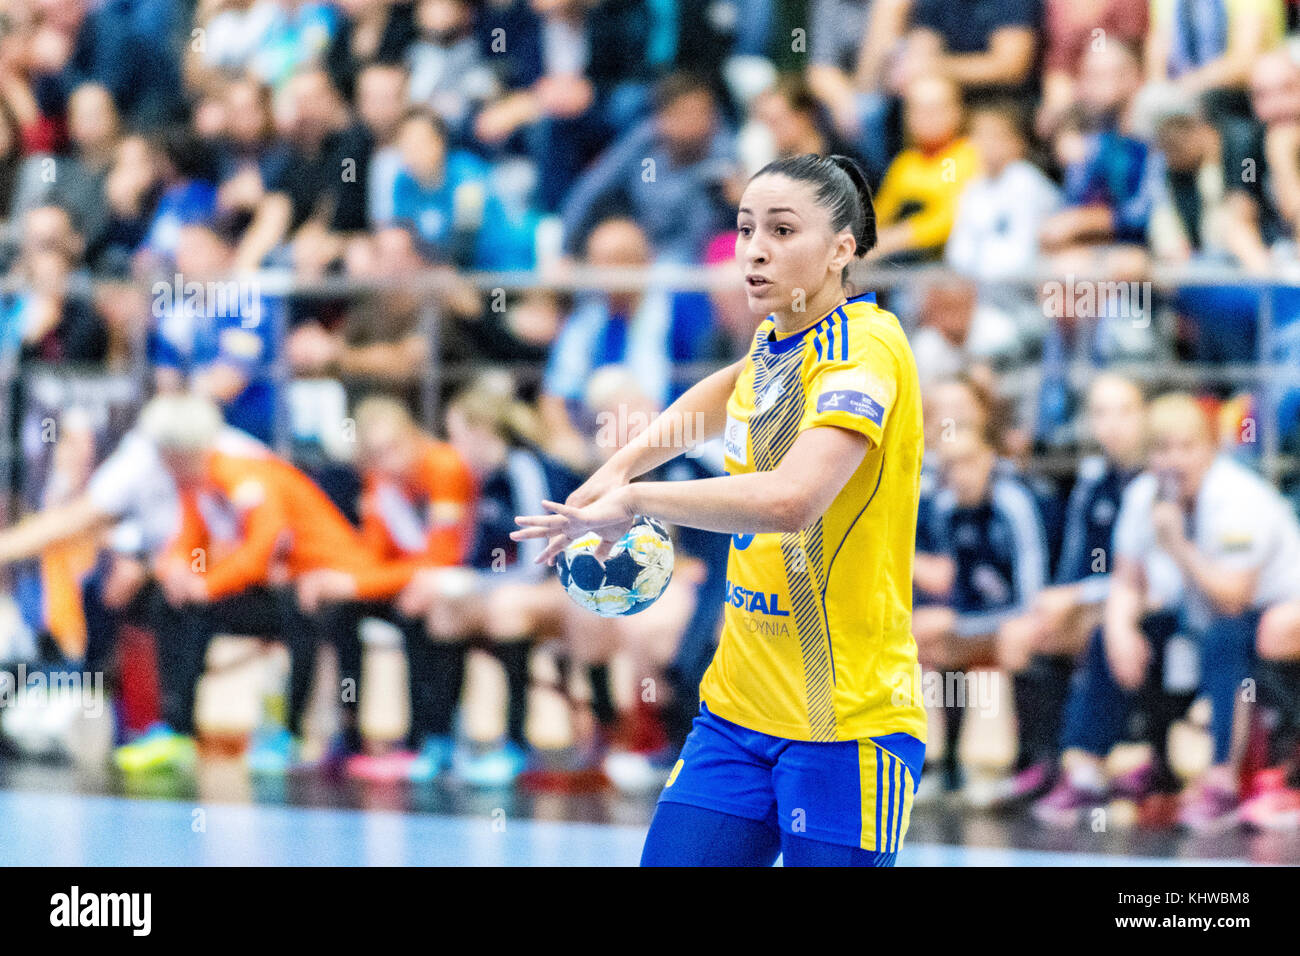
[1268,377]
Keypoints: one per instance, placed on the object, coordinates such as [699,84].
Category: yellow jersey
[816,639]
[922,189]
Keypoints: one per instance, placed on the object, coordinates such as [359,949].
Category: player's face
[186,467]
[784,244]
[1182,456]
[967,465]
[952,408]
[390,451]
[1116,420]
[480,447]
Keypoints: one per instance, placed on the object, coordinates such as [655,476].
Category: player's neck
[790,321]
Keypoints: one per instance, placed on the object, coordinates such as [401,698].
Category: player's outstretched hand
[609,516]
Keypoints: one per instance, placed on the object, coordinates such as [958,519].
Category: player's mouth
[757,283]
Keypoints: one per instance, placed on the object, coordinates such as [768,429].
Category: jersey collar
[780,346]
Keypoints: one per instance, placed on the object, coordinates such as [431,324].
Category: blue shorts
[850,793]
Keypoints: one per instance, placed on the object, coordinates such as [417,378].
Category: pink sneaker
[1277,810]
[1065,806]
[1029,784]
[385,768]
[1209,808]
[1270,803]
[1136,783]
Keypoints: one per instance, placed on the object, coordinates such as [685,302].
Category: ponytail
[866,231]
[841,189]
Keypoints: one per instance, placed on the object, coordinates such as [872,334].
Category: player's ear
[844,249]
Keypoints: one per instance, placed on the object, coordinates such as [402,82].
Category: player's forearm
[758,502]
[933,574]
[1228,590]
[698,415]
[1123,607]
[1008,61]
[33,535]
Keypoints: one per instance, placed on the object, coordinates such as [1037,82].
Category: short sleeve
[112,486]
[855,392]
[928,15]
[1241,536]
[1243,147]
[1019,13]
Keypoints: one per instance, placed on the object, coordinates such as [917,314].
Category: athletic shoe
[1209,808]
[1137,783]
[272,752]
[496,768]
[929,790]
[1277,810]
[382,768]
[1029,784]
[631,772]
[1066,804]
[159,749]
[1270,802]
[433,760]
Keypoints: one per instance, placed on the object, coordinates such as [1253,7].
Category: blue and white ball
[638,568]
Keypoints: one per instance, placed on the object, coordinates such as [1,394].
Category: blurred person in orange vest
[417,513]
[250,527]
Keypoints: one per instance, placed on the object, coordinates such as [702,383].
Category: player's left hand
[610,516]
[324,586]
[1169,523]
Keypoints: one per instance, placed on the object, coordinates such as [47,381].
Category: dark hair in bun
[841,189]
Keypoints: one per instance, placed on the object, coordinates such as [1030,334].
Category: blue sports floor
[76,829]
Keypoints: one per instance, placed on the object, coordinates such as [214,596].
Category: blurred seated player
[1204,550]
[417,509]
[49,597]
[507,599]
[988,528]
[127,513]
[1039,648]
[214,334]
[677,636]
[250,527]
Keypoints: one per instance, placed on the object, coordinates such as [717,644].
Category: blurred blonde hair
[376,411]
[489,402]
[1175,412]
[183,422]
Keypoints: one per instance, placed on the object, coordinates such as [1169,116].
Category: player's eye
[746,231]
[783,231]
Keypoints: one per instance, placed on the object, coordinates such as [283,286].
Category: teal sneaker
[273,751]
[434,759]
[159,749]
[495,768]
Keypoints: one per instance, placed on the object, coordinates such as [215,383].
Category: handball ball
[638,568]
